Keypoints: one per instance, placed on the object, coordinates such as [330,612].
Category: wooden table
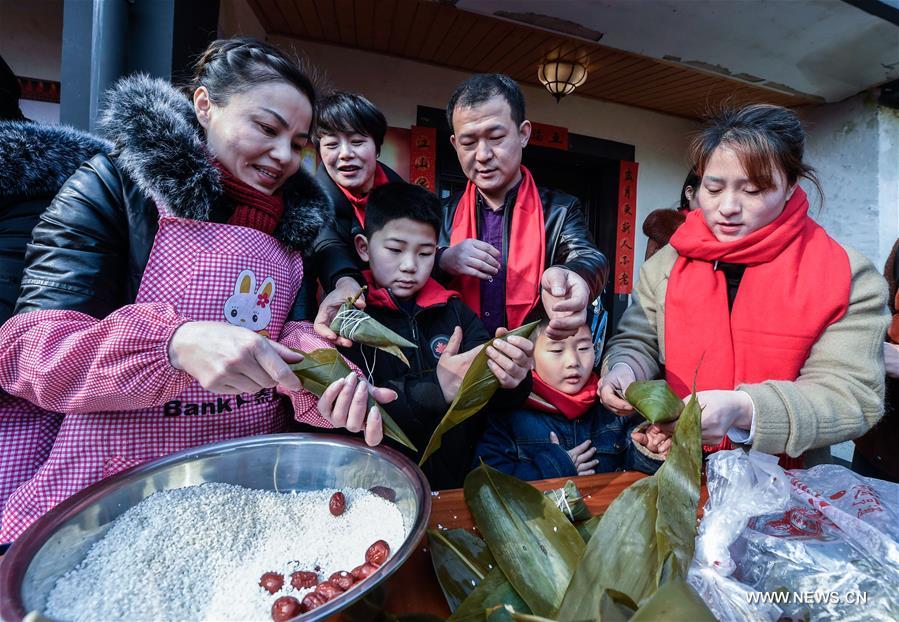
[414,588]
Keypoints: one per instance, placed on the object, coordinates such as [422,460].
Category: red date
[312,601]
[342,579]
[285,608]
[303,579]
[377,553]
[362,572]
[271,582]
[337,505]
[328,590]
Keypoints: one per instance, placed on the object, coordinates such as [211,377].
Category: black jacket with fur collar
[35,161]
[91,245]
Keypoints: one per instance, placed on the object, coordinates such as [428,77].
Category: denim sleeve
[499,449]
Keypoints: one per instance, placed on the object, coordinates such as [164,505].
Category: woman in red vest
[780,327]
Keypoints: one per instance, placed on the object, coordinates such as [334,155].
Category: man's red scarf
[546,398]
[524,257]
[796,284]
[253,208]
[359,203]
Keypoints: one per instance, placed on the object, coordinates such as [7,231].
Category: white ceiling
[824,48]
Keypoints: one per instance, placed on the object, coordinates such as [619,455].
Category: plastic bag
[820,544]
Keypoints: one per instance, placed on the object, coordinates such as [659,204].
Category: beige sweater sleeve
[839,393]
[637,340]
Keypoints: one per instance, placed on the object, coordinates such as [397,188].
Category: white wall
[398,86]
[854,145]
[31,37]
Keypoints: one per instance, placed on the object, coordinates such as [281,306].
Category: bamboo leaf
[675,600]
[494,590]
[621,555]
[587,527]
[507,613]
[679,482]
[461,562]
[533,543]
[655,400]
[478,386]
[319,368]
[359,327]
[615,607]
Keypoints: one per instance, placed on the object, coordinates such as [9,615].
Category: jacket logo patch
[250,307]
[438,344]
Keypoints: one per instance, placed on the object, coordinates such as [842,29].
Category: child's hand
[452,366]
[653,438]
[510,359]
[580,455]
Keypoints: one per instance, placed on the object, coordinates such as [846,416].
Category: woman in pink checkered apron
[158,302]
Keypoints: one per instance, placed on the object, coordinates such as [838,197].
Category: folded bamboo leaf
[494,590]
[569,501]
[621,555]
[319,368]
[359,327]
[533,543]
[615,607]
[679,482]
[675,600]
[478,386]
[655,400]
[587,527]
[507,613]
[461,562]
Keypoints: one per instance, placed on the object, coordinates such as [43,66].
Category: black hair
[232,66]
[351,113]
[401,200]
[483,86]
[692,181]
[765,137]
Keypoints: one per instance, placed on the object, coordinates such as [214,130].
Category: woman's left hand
[891,359]
[721,411]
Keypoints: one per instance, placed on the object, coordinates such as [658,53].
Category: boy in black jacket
[400,241]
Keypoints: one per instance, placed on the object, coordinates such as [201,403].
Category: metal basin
[284,462]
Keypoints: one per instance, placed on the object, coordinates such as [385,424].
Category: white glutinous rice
[198,553]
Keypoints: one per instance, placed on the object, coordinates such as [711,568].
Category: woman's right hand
[231,359]
[345,402]
[612,387]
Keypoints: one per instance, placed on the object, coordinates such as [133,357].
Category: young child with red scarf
[399,245]
[562,430]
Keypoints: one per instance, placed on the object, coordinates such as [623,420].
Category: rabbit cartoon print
[248,306]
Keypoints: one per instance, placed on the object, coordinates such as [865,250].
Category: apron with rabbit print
[208,272]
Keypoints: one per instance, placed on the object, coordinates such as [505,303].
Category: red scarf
[525,255]
[780,311]
[359,203]
[253,208]
[549,399]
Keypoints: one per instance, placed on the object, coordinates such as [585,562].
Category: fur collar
[36,159]
[160,145]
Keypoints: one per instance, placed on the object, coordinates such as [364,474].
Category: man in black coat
[482,250]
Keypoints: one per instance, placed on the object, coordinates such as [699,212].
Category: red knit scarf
[525,256]
[549,399]
[252,208]
[359,203]
[780,311]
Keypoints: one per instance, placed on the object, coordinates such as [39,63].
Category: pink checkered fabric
[120,365]
[26,436]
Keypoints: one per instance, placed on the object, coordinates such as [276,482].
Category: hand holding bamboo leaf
[345,399]
[359,327]
[478,386]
